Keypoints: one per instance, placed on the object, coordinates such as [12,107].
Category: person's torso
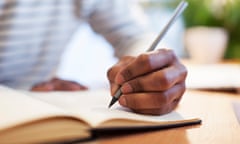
[33,34]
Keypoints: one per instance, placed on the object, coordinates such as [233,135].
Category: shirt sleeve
[122,23]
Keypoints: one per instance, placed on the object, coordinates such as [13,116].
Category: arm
[108,18]
[151,83]
[122,24]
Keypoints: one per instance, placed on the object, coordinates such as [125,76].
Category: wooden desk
[219,123]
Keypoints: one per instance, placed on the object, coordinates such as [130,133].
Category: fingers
[151,72]
[112,72]
[154,102]
[58,85]
[45,86]
[145,64]
[152,83]
[156,81]
[64,85]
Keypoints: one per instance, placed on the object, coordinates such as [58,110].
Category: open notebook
[28,117]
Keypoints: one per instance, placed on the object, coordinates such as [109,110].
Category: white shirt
[34,33]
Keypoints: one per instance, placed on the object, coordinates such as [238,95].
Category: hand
[152,83]
[56,84]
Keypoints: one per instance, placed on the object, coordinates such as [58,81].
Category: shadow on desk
[155,136]
[138,136]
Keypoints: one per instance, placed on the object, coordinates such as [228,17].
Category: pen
[178,11]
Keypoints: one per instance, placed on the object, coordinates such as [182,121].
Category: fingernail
[123,101]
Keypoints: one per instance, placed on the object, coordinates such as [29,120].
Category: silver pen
[178,11]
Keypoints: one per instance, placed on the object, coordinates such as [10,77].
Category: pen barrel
[178,11]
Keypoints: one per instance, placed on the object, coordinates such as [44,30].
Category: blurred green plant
[217,13]
[212,13]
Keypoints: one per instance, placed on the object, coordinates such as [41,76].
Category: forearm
[123,25]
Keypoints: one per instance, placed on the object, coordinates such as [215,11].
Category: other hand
[152,83]
[57,84]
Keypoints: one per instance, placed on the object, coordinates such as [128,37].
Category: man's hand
[58,85]
[152,83]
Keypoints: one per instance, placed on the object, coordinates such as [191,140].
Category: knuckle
[159,81]
[165,81]
[163,98]
[179,91]
[143,59]
[155,81]
[181,68]
[136,85]
[171,53]
[127,74]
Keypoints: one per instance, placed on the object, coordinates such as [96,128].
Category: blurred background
[207,32]
[224,14]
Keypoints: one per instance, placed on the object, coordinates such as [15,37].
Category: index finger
[146,63]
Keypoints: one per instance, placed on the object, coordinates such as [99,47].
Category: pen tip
[109,106]
[112,102]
